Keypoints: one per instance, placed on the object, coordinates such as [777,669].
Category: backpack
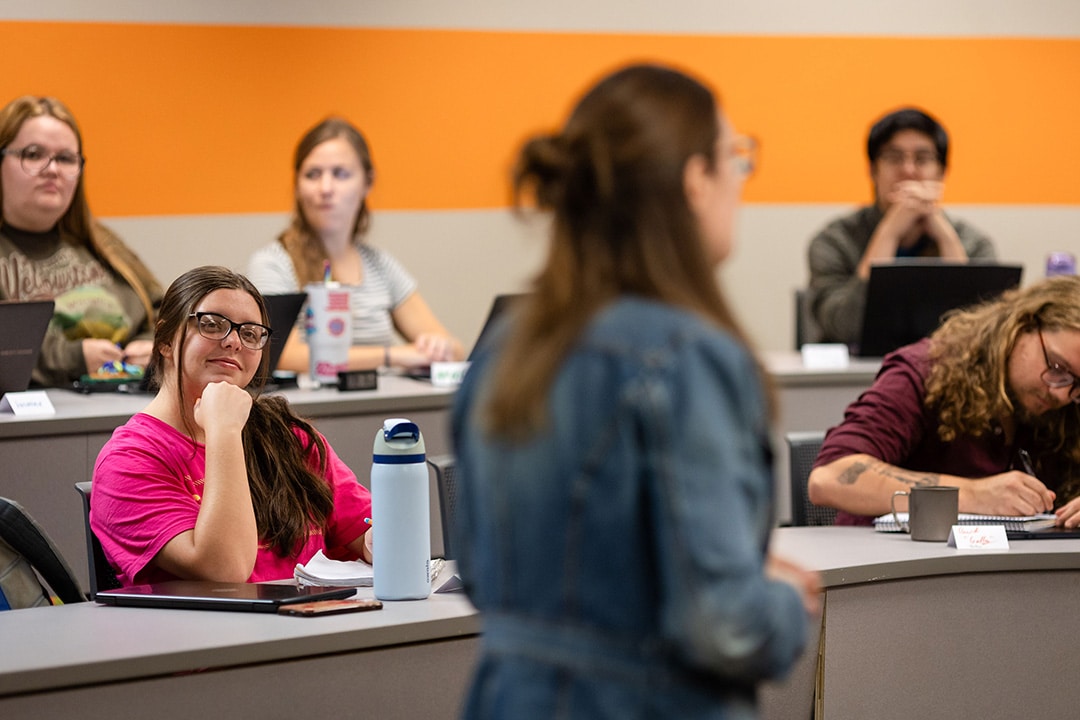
[29,561]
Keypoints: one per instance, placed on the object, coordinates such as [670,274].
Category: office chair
[803,448]
[446,479]
[26,543]
[806,327]
[102,576]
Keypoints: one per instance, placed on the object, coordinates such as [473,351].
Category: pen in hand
[1025,462]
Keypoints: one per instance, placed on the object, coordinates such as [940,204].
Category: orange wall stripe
[194,119]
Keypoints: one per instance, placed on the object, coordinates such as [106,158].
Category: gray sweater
[837,294]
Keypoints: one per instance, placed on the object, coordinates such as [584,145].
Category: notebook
[905,299]
[1028,527]
[283,311]
[24,325]
[205,595]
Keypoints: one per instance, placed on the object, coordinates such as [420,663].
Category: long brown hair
[614,180]
[299,239]
[969,354]
[289,496]
[77,226]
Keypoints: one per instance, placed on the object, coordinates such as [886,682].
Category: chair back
[30,558]
[102,576]
[803,448]
[446,480]
[806,328]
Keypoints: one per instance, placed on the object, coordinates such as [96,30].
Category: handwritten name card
[24,404]
[978,537]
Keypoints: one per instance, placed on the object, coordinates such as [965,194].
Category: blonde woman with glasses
[51,248]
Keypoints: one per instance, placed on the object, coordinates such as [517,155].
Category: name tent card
[27,404]
[978,537]
[825,356]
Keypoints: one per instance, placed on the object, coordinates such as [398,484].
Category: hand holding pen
[1029,468]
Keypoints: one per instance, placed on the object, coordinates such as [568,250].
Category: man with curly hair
[987,403]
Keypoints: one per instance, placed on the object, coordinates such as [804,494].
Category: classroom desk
[409,660]
[909,630]
[920,630]
[42,458]
[809,400]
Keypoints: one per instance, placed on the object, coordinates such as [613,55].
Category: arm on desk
[864,485]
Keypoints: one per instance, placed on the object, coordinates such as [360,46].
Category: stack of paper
[321,570]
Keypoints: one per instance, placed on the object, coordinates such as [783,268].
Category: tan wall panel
[999,18]
[463,258]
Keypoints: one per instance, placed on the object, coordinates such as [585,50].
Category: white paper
[825,356]
[978,537]
[448,374]
[321,570]
[26,404]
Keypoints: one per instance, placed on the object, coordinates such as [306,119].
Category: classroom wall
[190,113]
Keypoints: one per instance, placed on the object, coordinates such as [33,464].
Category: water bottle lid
[399,441]
[399,427]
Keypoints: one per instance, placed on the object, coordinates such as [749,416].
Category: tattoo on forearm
[852,472]
[907,477]
[857,469]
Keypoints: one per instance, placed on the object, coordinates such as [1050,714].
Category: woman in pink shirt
[213,481]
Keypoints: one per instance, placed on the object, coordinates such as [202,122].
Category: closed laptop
[206,595]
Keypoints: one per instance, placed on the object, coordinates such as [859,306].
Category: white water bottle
[400,518]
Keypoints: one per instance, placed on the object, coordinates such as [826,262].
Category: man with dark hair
[908,152]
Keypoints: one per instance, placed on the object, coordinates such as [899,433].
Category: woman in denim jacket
[615,498]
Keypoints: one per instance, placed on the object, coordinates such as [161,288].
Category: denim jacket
[617,556]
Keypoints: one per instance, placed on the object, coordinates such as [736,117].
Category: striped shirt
[386,284]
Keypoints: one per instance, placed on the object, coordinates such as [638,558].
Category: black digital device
[358,380]
[906,299]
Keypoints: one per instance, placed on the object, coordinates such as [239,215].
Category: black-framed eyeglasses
[34,159]
[1056,376]
[898,158]
[214,326]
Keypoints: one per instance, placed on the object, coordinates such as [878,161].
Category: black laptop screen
[905,300]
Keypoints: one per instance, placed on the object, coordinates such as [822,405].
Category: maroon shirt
[889,422]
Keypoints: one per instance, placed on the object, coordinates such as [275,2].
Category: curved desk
[409,660]
[920,630]
[41,458]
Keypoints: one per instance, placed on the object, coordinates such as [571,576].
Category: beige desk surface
[851,555]
[88,644]
[103,412]
[787,370]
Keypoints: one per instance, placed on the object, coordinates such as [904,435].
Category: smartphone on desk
[330,607]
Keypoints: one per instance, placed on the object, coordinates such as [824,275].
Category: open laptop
[906,299]
[24,325]
[498,306]
[205,595]
[283,311]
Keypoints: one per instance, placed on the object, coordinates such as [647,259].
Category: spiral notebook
[1026,527]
